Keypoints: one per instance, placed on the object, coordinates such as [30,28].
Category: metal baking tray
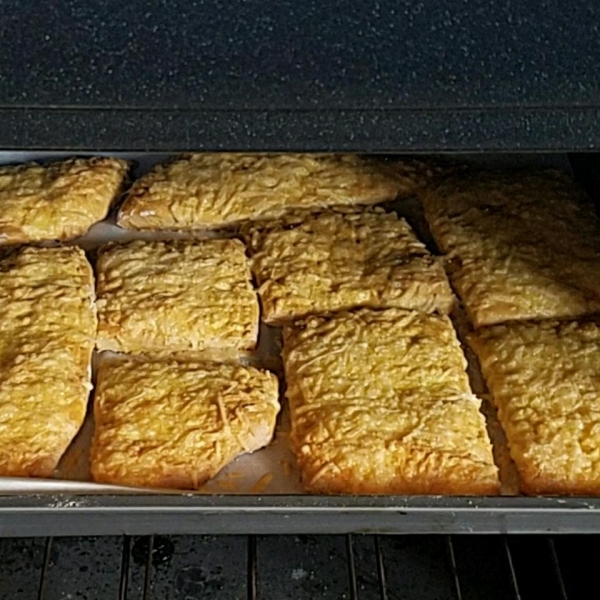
[261,493]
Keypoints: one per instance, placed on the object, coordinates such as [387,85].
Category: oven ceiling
[394,75]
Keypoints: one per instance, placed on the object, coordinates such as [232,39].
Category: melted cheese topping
[544,378]
[520,245]
[47,329]
[380,403]
[342,259]
[173,424]
[59,201]
[175,296]
[214,190]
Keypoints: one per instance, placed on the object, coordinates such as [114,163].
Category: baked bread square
[380,404]
[47,330]
[175,296]
[341,259]
[544,379]
[58,201]
[521,245]
[174,424]
[213,190]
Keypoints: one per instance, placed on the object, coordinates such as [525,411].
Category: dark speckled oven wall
[300,75]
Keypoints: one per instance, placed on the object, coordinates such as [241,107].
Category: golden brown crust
[59,201]
[341,259]
[175,425]
[380,403]
[544,379]
[47,329]
[204,191]
[520,245]
[175,296]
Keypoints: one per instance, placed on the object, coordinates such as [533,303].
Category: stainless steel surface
[180,514]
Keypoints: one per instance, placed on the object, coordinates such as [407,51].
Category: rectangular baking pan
[255,494]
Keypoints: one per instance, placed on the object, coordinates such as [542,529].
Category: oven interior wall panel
[395,75]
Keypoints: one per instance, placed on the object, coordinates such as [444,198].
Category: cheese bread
[380,404]
[520,245]
[176,424]
[175,296]
[544,379]
[341,259]
[212,190]
[47,329]
[58,201]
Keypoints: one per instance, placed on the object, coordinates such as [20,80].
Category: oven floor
[357,567]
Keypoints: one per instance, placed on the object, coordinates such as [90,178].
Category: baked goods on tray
[47,329]
[343,258]
[521,245]
[380,404]
[544,379]
[174,424]
[175,296]
[211,190]
[58,201]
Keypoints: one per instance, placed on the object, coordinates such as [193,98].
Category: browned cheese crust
[174,425]
[345,258]
[47,329]
[544,380]
[205,191]
[380,404]
[175,296]
[59,201]
[521,245]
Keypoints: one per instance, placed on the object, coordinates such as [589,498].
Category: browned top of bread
[175,296]
[521,245]
[58,201]
[47,330]
[380,403]
[175,424]
[343,258]
[544,379]
[200,191]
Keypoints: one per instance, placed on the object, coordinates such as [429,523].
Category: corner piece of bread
[57,201]
[543,377]
[520,244]
[168,424]
[48,326]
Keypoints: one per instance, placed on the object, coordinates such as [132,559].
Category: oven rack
[355,567]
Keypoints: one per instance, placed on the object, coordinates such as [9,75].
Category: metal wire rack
[353,567]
